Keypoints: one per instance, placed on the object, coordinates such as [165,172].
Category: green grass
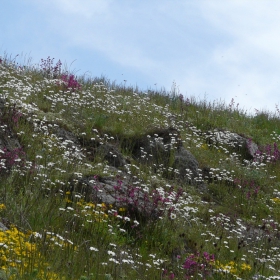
[229,231]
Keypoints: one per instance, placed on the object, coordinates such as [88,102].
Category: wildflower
[172,216]
[37,235]
[114,260]
[111,253]
[171,275]
[2,207]
[3,245]
[136,223]
[245,266]
[276,199]
[93,249]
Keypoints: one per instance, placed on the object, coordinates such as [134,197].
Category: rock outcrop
[161,149]
[241,144]
[117,192]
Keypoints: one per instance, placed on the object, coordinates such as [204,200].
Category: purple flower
[70,82]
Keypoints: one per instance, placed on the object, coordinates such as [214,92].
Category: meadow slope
[91,188]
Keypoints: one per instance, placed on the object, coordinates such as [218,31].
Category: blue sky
[213,49]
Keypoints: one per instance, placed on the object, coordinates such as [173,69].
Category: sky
[216,50]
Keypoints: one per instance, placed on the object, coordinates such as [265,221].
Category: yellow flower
[2,207]
[204,146]
[245,266]
[230,266]
[276,199]
[90,204]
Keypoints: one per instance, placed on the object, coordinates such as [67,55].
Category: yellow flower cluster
[276,199]
[245,266]
[232,267]
[93,212]
[21,256]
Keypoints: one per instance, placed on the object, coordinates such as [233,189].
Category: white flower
[172,216]
[93,249]
[3,245]
[37,235]
[111,253]
[113,260]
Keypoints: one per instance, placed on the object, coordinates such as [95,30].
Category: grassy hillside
[222,223]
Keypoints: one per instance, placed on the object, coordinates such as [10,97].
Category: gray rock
[111,154]
[163,148]
[245,146]
[186,164]
[8,140]
[9,144]
[2,104]
[252,147]
[3,227]
[118,193]
[70,140]
[65,135]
